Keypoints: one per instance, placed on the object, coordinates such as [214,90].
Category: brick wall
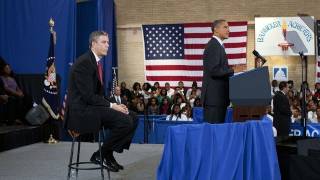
[132,14]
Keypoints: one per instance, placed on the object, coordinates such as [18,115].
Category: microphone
[255,53]
[301,54]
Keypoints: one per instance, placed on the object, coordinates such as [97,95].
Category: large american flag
[173,52]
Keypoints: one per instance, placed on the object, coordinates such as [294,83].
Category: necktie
[100,71]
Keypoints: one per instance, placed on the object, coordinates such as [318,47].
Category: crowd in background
[176,103]
[146,99]
[13,103]
[295,96]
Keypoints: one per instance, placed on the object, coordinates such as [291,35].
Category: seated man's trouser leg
[122,127]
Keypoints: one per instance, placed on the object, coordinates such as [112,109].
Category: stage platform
[42,161]
[19,135]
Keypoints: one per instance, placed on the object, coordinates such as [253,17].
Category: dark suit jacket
[215,83]
[282,114]
[123,101]
[85,96]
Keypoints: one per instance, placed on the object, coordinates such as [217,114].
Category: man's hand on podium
[120,107]
[239,68]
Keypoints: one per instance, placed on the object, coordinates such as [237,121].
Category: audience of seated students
[146,91]
[192,97]
[165,107]
[296,115]
[153,92]
[194,86]
[179,99]
[312,98]
[318,115]
[153,107]
[170,91]
[175,114]
[125,92]
[17,104]
[162,94]
[181,89]
[292,88]
[136,89]
[187,111]
[156,85]
[197,102]
[316,93]
[140,105]
[312,115]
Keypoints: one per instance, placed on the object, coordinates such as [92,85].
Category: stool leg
[71,157]
[78,155]
[103,138]
[101,158]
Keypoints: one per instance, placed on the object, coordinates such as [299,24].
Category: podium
[250,94]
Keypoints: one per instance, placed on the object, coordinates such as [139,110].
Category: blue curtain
[98,15]
[24,34]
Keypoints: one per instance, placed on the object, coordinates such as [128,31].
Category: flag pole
[51,139]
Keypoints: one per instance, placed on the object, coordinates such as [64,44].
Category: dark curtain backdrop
[24,34]
[98,15]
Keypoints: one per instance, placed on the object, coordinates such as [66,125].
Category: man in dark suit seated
[216,72]
[282,112]
[117,97]
[88,109]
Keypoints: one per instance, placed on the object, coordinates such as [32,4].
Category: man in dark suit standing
[282,112]
[88,109]
[116,98]
[216,72]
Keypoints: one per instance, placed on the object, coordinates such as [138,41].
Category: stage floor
[49,162]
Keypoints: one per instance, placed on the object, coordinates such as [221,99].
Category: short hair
[216,23]
[282,85]
[95,35]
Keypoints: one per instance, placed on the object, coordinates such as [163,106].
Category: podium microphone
[256,54]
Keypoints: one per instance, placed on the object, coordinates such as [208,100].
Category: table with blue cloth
[230,151]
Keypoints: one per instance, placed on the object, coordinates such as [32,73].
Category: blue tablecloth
[230,151]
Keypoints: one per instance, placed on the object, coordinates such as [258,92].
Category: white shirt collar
[97,57]
[218,39]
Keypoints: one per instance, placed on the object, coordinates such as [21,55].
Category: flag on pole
[50,98]
[174,52]
[114,80]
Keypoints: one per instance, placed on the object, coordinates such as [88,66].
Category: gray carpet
[49,162]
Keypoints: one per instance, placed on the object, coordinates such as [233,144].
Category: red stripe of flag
[226,45]
[229,56]
[318,74]
[235,45]
[173,67]
[197,25]
[193,57]
[209,35]
[236,56]
[174,78]
[240,23]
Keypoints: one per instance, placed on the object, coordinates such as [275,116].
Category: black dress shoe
[95,158]
[114,162]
